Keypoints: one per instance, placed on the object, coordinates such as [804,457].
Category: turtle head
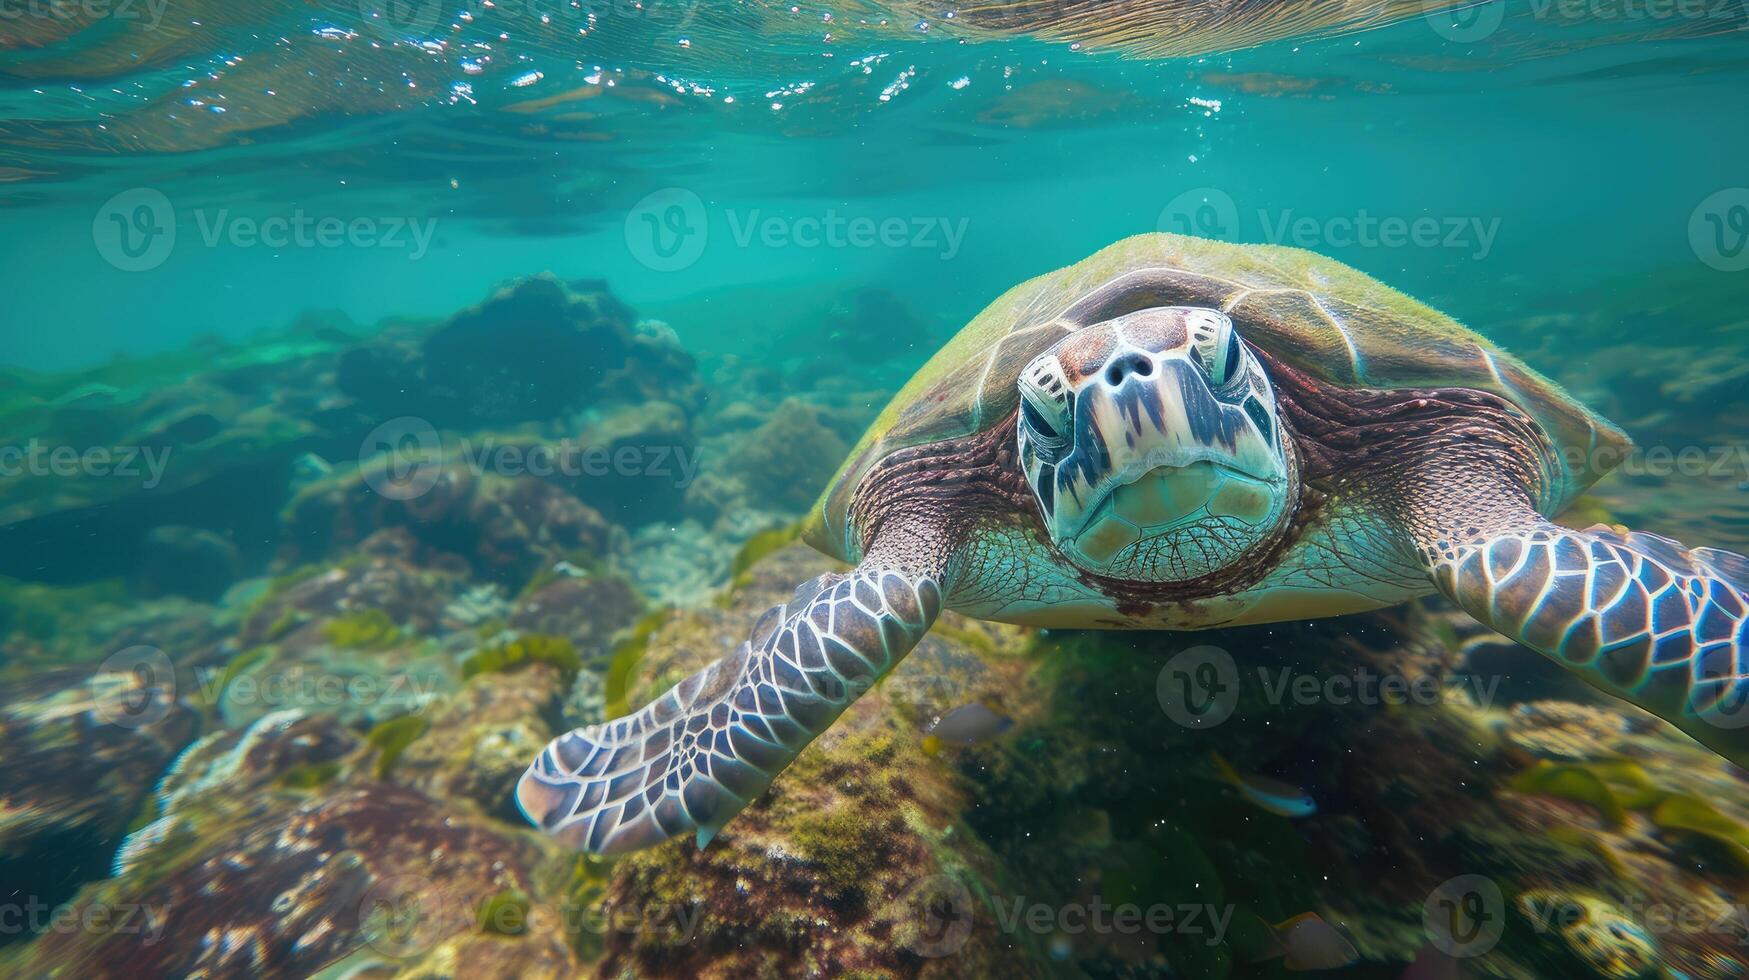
[1153,447]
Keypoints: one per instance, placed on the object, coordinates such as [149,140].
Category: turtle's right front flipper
[694,757]
[1634,614]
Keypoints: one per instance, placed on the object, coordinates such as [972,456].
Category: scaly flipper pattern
[1635,614]
[694,757]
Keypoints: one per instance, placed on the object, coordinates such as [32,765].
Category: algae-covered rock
[499,528]
[587,610]
[479,740]
[790,457]
[476,368]
[271,850]
[83,748]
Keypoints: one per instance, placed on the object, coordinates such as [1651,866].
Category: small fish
[967,724]
[1310,943]
[1269,794]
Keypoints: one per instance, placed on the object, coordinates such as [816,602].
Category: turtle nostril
[1123,367]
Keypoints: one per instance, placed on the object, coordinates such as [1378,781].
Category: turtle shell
[1334,323]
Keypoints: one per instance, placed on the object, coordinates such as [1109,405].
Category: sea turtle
[1177,434]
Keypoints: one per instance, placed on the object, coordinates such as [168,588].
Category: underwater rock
[678,565]
[203,437]
[640,461]
[874,324]
[786,461]
[502,528]
[479,740]
[81,753]
[289,884]
[272,853]
[476,370]
[1566,731]
[1600,939]
[187,561]
[588,610]
[298,607]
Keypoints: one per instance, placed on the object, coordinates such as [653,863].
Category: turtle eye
[1217,343]
[1044,402]
[1036,419]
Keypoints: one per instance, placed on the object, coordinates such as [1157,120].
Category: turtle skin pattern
[694,757]
[1636,614]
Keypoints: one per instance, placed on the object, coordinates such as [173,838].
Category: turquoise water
[234,230]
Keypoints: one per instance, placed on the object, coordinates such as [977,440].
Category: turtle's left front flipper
[1636,615]
[695,756]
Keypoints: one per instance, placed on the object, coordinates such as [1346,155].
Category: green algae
[534,648]
[309,775]
[756,549]
[1695,818]
[1577,783]
[505,913]
[392,737]
[234,668]
[623,663]
[288,620]
[841,842]
[370,629]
